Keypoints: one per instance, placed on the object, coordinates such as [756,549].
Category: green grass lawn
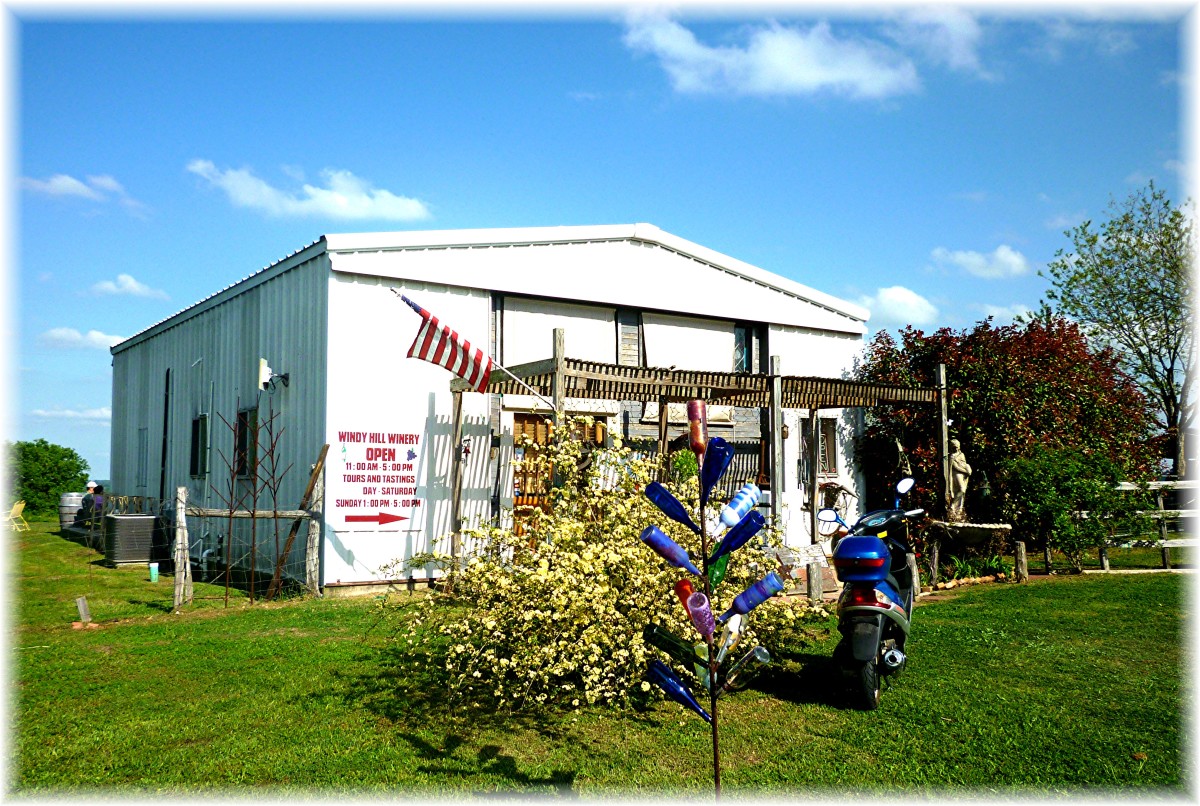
[1066,684]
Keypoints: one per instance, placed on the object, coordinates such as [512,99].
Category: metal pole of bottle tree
[712,655]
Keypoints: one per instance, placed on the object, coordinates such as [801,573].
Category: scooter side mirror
[828,516]
[904,485]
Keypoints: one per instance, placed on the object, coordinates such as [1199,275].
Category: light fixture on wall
[267,377]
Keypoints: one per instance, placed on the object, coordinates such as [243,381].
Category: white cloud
[125,285]
[1004,314]
[102,188]
[70,338]
[944,35]
[1002,263]
[102,415]
[1098,35]
[1064,221]
[107,183]
[345,196]
[898,305]
[776,60]
[61,185]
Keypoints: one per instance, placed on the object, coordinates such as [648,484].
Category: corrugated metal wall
[212,357]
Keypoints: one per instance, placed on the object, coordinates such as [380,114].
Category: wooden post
[910,560]
[312,548]
[85,615]
[662,438]
[456,477]
[775,420]
[816,589]
[1103,557]
[558,381]
[943,441]
[183,561]
[935,545]
[316,482]
[1022,564]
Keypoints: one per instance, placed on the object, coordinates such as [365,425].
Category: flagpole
[507,371]
[532,391]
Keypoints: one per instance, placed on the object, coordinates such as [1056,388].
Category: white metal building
[186,390]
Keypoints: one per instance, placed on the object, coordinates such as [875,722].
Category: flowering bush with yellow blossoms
[556,614]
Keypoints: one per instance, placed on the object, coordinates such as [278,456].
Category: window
[743,349]
[198,464]
[749,345]
[828,447]
[245,449]
[629,339]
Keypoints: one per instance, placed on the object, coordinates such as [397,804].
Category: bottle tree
[737,523]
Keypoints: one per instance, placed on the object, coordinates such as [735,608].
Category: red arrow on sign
[381,518]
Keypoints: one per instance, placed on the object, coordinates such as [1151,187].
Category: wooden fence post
[312,550]
[1022,569]
[943,438]
[183,560]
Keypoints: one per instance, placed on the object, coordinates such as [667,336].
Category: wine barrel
[69,505]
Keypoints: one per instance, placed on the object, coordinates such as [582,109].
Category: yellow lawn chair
[16,520]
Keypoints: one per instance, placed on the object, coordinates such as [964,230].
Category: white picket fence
[1162,515]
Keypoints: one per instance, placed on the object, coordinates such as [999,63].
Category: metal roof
[537,236]
[346,243]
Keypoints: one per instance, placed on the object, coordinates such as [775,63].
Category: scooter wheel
[865,686]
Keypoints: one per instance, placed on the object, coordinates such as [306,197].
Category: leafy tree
[40,472]
[1011,390]
[1128,284]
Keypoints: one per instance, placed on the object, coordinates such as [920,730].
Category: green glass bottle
[662,638]
[716,571]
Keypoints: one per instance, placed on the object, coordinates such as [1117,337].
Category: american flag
[438,344]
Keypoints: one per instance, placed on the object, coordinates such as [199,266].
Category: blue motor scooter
[876,603]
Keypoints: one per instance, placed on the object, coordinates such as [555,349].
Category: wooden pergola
[558,378]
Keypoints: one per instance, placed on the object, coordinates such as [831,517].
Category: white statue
[960,474]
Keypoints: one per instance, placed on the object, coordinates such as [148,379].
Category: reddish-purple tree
[1011,388]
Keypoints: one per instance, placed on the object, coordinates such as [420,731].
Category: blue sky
[921,160]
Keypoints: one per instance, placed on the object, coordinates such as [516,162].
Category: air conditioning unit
[128,538]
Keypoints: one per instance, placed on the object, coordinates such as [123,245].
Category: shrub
[1067,499]
[555,615]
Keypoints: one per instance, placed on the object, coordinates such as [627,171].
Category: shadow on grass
[407,686]
[447,762]
[163,606]
[803,678]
